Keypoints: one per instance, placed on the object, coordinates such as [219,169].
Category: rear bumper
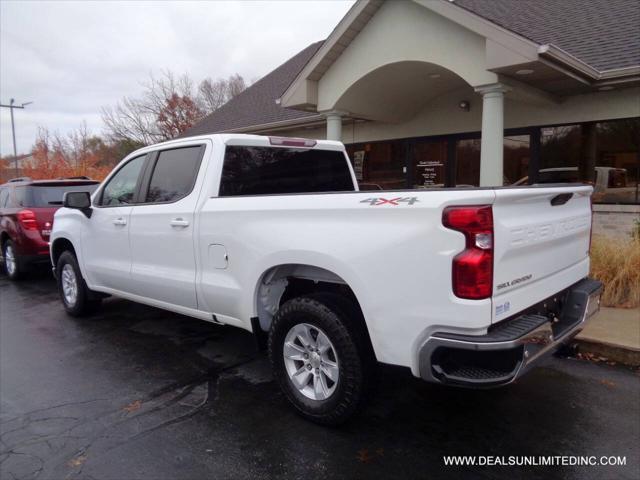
[507,351]
[30,244]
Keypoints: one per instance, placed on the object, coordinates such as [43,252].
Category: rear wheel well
[61,245]
[285,282]
[299,287]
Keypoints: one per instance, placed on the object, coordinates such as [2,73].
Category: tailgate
[541,244]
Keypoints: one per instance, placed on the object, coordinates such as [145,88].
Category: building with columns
[437,93]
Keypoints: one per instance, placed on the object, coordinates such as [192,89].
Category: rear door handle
[179,222]
[120,221]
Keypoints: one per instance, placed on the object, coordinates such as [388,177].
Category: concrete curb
[614,333]
[611,352]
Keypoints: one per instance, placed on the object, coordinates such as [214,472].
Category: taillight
[473,267]
[27,219]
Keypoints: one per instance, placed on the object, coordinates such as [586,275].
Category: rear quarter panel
[396,258]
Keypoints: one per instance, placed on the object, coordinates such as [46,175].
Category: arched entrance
[397,91]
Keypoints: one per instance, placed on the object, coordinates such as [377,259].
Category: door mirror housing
[79,201]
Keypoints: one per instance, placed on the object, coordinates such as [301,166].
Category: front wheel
[76,297]
[318,358]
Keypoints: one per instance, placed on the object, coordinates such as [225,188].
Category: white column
[491,147]
[334,126]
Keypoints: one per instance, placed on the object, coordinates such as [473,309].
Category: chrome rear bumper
[509,349]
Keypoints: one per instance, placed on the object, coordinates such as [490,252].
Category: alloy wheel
[311,361]
[69,285]
[10,260]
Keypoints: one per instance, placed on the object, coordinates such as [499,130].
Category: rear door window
[558,176]
[617,178]
[174,174]
[269,170]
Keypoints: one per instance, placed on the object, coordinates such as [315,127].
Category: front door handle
[120,221]
[179,222]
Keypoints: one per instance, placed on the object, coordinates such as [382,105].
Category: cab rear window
[48,195]
[269,170]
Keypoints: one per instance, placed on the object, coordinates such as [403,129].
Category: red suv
[26,217]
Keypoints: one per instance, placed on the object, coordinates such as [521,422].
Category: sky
[72,58]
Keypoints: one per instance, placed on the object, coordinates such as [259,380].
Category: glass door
[429,159]
[517,153]
[468,162]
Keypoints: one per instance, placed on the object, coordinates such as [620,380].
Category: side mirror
[79,201]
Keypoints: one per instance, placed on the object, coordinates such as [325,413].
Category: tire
[13,265]
[322,401]
[76,297]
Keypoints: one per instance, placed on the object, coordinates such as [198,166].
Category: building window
[517,153]
[379,165]
[559,152]
[605,155]
[617,176]
[468,162]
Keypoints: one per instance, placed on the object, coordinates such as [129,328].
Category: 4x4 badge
[375,201]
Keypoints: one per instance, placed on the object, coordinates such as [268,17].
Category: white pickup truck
[466,287]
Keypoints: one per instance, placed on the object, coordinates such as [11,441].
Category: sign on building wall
[430,171]
[358,164]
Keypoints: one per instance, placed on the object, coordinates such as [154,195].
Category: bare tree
[236,85]
[212,94]
[168,106]
[130,120]
[76,145]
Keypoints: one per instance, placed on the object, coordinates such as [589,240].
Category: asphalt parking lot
[139,393]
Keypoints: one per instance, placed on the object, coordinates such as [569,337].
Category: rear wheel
[319,358]
[76,297]
[12,262]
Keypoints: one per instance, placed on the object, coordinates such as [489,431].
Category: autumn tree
[79,153]
[177,115]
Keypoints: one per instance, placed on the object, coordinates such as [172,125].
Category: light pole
[11,106]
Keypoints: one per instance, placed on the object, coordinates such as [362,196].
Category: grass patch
[616,263]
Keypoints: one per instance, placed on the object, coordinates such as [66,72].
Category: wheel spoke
[317,388]
[293,351]
[330,371]
[304,336]
[323,343]
[301,377]
[323,384]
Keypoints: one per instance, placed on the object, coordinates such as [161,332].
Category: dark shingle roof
[602,33]
[257,104]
